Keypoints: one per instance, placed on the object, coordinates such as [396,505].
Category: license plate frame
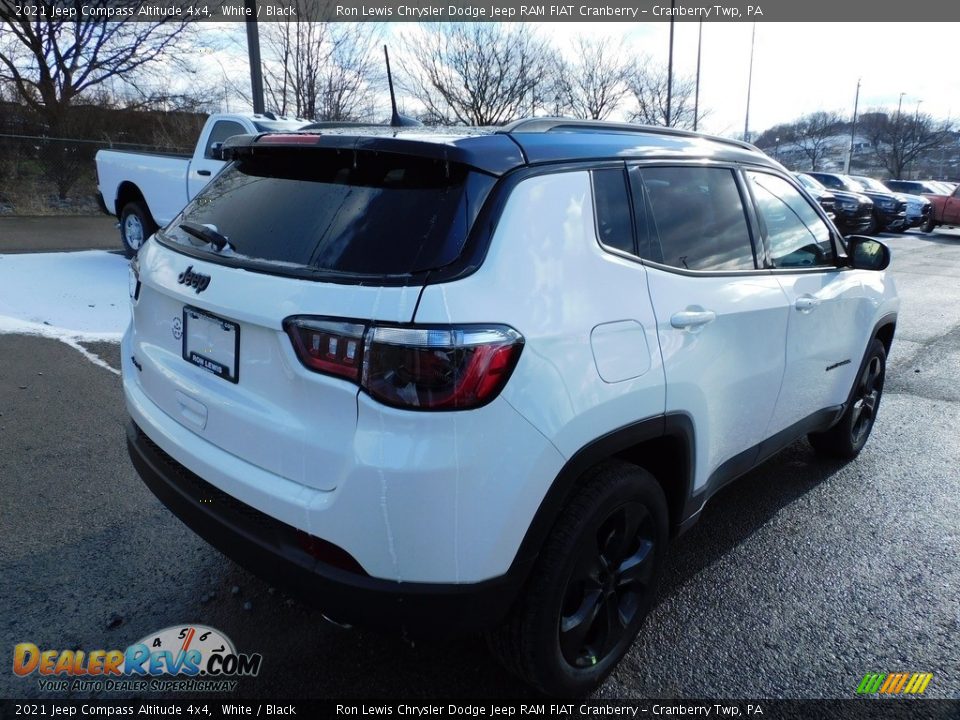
[205,348]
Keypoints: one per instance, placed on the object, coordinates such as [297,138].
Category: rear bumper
[272,550]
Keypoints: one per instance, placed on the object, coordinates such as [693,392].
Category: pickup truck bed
[160,177]
[146,190]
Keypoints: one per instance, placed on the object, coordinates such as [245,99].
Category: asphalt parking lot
[798,580]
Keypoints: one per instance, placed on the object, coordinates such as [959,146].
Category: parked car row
[852,211]
[918,207]
[859,204]
[889,209]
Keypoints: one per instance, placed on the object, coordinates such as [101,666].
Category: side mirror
[867,253]
[216,152]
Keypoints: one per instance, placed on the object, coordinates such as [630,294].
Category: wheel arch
[884,331]
[662,445]
[129,192]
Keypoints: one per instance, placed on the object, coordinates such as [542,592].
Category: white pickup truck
[147,190]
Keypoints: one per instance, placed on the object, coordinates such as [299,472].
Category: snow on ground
[74,297]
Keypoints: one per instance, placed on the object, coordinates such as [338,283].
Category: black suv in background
[852,211]
[818,192]
[889,211]
[918,207]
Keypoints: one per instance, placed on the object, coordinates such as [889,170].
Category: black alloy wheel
[594,581]
[847,437]
[867,400]
[605,591]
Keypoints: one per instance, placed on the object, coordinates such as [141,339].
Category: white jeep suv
[474,379]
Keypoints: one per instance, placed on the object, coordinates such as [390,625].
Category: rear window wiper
[207,234]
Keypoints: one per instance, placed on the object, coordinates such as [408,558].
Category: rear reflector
[329,554]
[422,368]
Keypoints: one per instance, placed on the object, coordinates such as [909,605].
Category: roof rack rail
[548,124]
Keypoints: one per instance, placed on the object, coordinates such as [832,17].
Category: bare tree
[813,134]
[594,84]
[321,70]
[354,80]
[478,73]
[647,82]
[897,141]
[50,62]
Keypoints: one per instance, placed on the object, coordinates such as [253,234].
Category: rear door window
[697,219]
[339,211]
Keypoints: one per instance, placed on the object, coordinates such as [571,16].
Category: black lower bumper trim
[271,550]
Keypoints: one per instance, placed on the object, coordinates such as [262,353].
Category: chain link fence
[42,173]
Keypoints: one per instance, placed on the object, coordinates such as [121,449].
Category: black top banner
[853,11]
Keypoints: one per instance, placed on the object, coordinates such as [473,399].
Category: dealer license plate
[211,343]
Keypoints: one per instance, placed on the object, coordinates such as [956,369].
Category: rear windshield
[338,211]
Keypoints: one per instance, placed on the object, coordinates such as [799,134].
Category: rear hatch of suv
[250,308]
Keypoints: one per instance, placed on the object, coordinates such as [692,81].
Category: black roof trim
[490,153]
[498,150]
[551,124]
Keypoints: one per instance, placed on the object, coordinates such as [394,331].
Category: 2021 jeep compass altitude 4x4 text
[474,379]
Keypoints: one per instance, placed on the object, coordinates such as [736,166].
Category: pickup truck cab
[945,211]
[147,190]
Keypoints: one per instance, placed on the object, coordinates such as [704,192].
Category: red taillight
[328,346]
[439,368]
[425,368]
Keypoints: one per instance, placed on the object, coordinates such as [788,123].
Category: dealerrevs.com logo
[178,658]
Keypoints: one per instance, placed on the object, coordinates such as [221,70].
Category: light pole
[916,129]
[253,50]
[899,104]
[746,118]
[696,92]
[670,66]
[853,129]
[776,150]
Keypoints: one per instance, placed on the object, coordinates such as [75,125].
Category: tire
[928,225]
[846,439]
[874,227]
[593,584]
[136,225]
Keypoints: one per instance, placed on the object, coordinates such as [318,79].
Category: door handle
[691,319]
[806,303]
[205,173]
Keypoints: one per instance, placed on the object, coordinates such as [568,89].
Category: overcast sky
[798,67]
